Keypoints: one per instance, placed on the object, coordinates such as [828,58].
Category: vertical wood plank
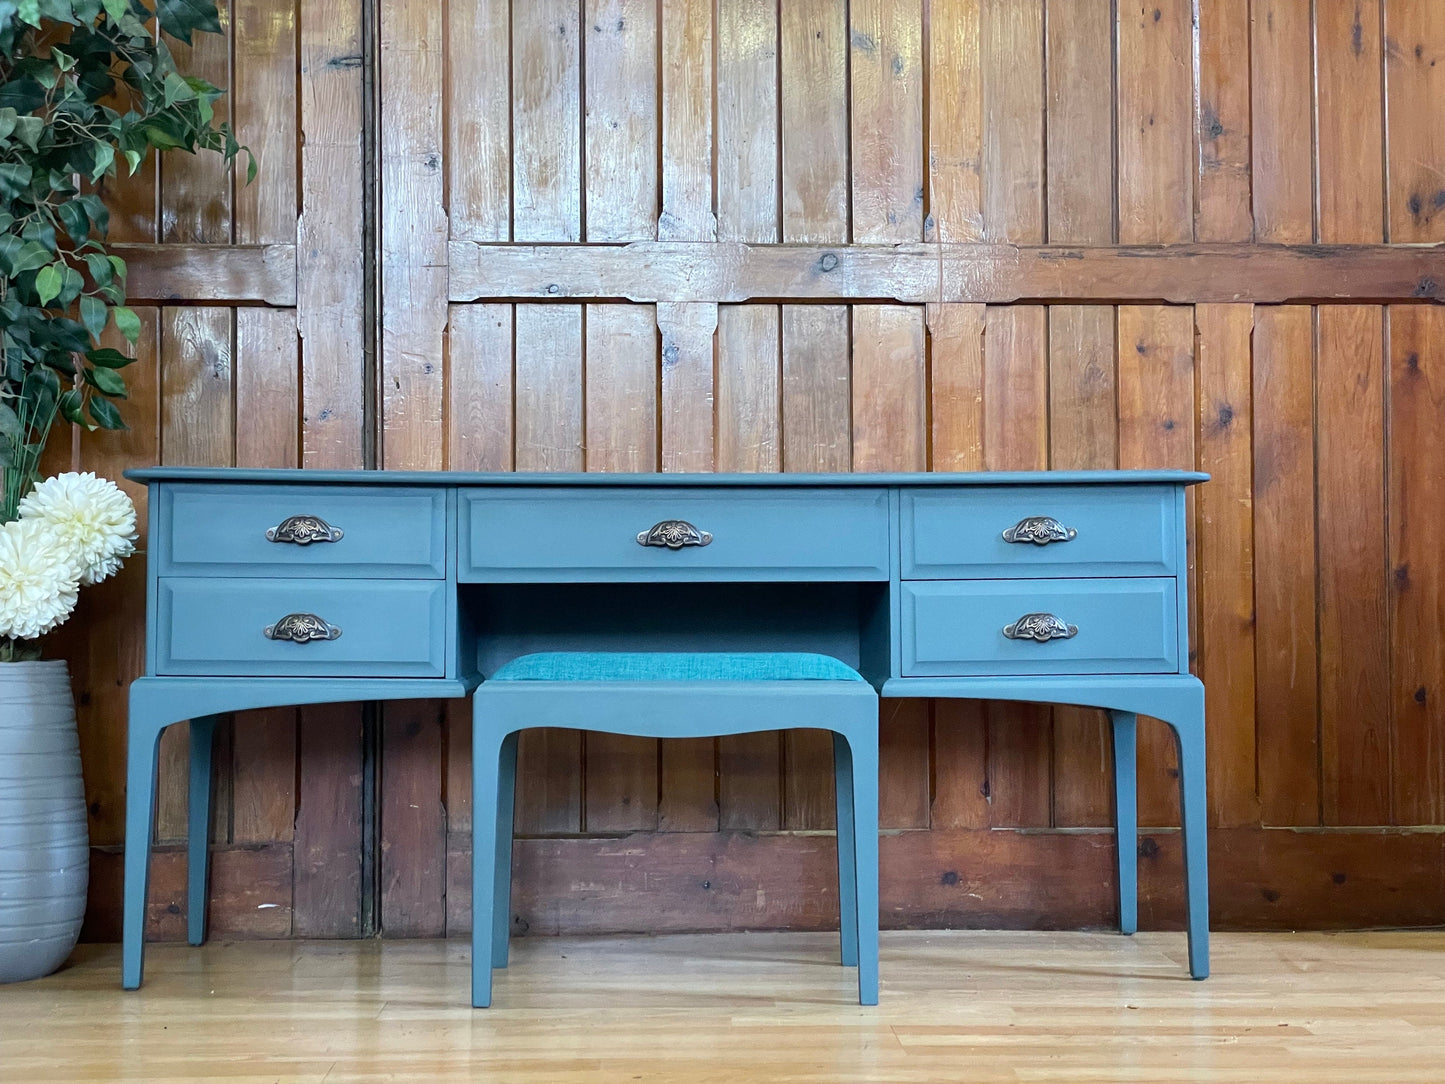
[955,335]
[196,188]
[886,64]
[814,94]
[1012,53]
[546,126]
[549,395]
[1350,119]
[1224,210]
[954,121]
[890,426]
[1020,742]
[268,397]
[1080,123]
[1156,424]
[1156,108]
[748,160]
[413,856]
[326,894]
[688,361]
[1282,67]
[1226,549]
[1351,528]
[1414,87]
[479,383]
[687,122]
[621,103]
[1417,563]
[1284,592]
[479,119]
[264,42]
[413,236]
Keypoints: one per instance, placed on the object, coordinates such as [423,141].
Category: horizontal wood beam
[650,271]
[210,273]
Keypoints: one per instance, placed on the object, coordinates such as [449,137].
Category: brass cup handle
[300,628]
[674,534]
[303,530]
[1040,530]
[1040,627]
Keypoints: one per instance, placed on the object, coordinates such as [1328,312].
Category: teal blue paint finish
[902,578]
[592,535]
[676,666]
[389,628]
[220,530]
[659,707]
[1128,531]
[955,627]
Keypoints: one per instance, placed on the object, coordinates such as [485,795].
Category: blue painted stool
[675,695]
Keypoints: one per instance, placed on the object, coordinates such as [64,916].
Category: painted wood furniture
[269,588]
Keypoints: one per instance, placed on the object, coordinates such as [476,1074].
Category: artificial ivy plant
[87,88]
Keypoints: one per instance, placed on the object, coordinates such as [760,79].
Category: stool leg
[486,755]
[847,855]
[865,862]
[198,827]
[1126,817]
[1189,740]
[502,896]
[143,748]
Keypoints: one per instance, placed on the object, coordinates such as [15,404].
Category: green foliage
[86,89]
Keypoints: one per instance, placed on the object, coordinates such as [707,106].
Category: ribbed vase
[44,846]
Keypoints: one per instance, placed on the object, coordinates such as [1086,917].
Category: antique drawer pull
[1040,627]
[1040,530]
[674,534]
[303,530]
[299,628]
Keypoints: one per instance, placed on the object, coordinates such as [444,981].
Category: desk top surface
[466,478]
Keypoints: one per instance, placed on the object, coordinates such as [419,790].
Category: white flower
[94,520]
[37,580]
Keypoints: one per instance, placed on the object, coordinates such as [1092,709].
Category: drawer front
[1125,626]
[561,535]
[1107,531]
[385,531]
[388,628]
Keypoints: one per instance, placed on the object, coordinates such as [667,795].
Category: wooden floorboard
[980,1006]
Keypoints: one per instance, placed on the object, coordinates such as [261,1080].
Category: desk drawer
[385,531]
[562,535]
[1106,531]
[388,628]
[1124,626]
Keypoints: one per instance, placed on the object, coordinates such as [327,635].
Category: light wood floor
[746,1007]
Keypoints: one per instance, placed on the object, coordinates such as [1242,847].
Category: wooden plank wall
[832,235]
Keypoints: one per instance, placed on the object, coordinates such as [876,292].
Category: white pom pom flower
[38,588]
[93,519]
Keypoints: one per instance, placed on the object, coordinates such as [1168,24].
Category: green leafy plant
[87,88]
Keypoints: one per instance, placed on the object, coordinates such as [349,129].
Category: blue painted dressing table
[270,588]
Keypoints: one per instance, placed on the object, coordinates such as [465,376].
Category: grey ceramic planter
[44,848]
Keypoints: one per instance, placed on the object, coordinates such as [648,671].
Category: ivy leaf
[73,217]
[116,9]
[15,178]
[93,313]
[127,323]
[70,404]
[71,285]
[10,423]
[106,381]
[49,281]
[107,358]
[104,413]
[104,160]
[99,268]
[29,129]
[180,17]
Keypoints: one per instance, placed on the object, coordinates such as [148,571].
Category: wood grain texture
[1224,211]
[954,121]
[479,387]
[687,122]
[1156,409]
[1351,380]
[1226,552]
[621,119]
[890,395]
[955,386]
[1350,122]
[749,162]
[689,347]
[479,119]
[1281,66]
[264,70]
[326,891]
[546,122]
[817,388]
[412,821]
[1414,84]
[886,119]
[196,198]
[813,35]
[1012,58]
[1417,564]
[1080,123]
[1156,166]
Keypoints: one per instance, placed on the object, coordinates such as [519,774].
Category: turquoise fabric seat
[683,694]
[675,666]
